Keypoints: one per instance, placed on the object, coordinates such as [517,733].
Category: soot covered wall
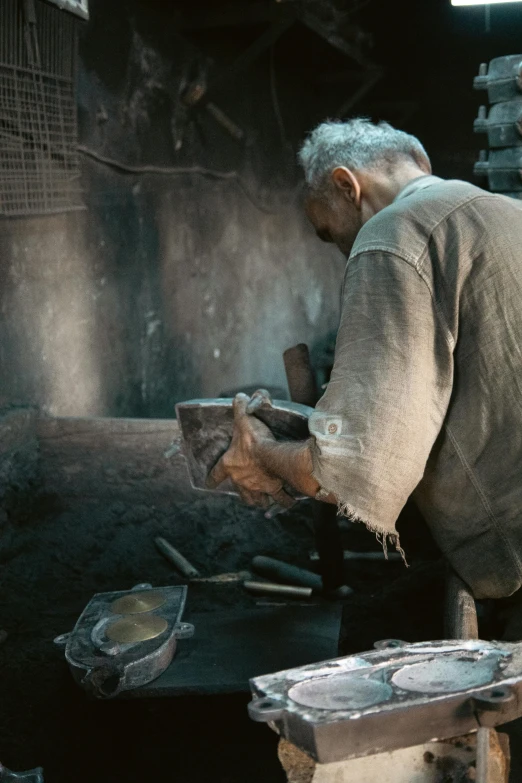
[170,286]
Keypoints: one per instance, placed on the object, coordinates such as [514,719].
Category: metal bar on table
[460,615]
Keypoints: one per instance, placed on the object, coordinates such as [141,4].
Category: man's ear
[347,184]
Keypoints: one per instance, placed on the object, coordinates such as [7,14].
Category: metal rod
[460,621]
[348,555]
[286,573]
[300,375]
[176,558]
[269,588]
[483,755]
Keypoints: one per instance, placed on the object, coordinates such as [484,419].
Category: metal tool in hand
[207,427]
[397,696]
[125,639]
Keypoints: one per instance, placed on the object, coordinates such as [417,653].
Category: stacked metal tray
[502,124]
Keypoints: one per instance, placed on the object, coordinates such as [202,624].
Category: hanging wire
[202,171]
[275,99]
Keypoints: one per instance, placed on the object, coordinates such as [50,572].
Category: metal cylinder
[269,588]
[176,558]
[300,375]
[286,573]
[460,620]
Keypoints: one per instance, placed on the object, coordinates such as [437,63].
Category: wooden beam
[233,15]
[254,51]
[371,77]
[91,458]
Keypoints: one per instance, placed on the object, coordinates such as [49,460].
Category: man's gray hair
[357,144]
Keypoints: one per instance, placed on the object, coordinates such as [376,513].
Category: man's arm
[291,462]
[374,428]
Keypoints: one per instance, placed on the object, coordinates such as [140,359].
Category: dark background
[173,286]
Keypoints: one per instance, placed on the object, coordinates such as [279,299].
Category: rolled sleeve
[374,428]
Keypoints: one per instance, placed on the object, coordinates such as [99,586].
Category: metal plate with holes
[126,639]
[394,697]
[207,425]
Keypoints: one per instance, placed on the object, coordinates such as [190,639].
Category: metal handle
[494,699]
[300,375]
[460,621]
[390,644]
[265,710]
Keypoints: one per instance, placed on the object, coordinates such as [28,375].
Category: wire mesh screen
[39,167]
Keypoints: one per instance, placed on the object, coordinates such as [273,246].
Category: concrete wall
[166,287]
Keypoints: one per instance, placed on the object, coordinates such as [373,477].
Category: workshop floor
[51,568]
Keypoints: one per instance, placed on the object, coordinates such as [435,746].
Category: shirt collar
[419,183]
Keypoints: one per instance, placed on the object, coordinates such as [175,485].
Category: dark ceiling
[423,55]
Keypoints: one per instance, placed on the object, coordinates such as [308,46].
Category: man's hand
[242,463]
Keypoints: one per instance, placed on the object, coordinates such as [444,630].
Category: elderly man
[425,397]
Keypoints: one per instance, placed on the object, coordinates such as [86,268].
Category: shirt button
[332,429]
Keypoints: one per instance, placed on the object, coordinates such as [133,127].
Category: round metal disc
[136,629]
[136,603]
[340,692]
[445,675]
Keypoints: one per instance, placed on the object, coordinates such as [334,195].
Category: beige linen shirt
[425,397]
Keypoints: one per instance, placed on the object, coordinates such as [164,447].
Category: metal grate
[39,167]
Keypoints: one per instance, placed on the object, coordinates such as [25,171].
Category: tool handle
[460,621]
[278,571]
[300,375]
[270,588]
[176,558]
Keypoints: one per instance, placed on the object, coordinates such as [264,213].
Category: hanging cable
[128,168]
[275,100]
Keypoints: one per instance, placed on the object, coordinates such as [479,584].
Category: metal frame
[39,163]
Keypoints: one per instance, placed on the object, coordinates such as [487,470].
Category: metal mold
[502,78]
[390,698]
[110,652]
[207,426]
[502,168]
[503,125]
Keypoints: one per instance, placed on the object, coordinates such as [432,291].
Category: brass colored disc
[136,603]
[136,629]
